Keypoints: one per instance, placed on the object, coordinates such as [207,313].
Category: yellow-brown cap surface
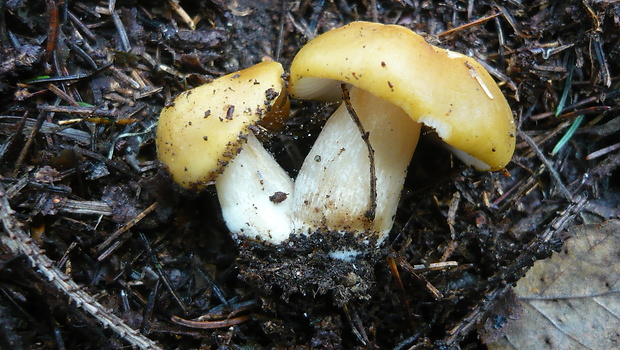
[206,127]
[447,91]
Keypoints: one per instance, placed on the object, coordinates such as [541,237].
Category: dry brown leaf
[571,300]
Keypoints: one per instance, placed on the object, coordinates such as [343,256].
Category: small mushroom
[397,81]
[206,137]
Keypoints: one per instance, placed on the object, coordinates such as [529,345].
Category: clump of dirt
[340,265]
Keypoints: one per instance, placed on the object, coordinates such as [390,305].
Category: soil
[101,250]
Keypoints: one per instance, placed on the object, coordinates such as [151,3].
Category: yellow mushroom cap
[206,127]
[448,91]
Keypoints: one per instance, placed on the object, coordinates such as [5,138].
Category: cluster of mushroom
[352,178]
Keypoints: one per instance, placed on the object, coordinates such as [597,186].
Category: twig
[435,266]
[356,324]
[120,75]
[562,220]
[126,227]
[83,28]
[597,46]
[374,10]
[29,140]
[63,95]
[574,106]
[54,29]
[554,173]
[15,136]
[229,309]
[603,151]
[430,288]
[372,205]
[511,20]
[147,314]
[87,111]
[401,288]
[78,76]
[18,241]
[7,126]
[523,187]
[158,269]
[86,207]
[280,41]
[122,33]
[301,26]
[475,317]
[209,324]
[183,14]
[80,52]
[468,25]
[605,168]
[499,75]
[593,17]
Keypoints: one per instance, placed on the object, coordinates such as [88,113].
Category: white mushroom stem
[332,190]
[255,194]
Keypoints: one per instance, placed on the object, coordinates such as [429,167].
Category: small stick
[120,75]
[370,213]
[83,28]
[157,265]
[554,173]
[429,286]
[86,207]
[603,151]
[63,95]
[468,25]
[126,227]
[88,111]
[436,266]
[181,12]
[83,54]
[53,30]
[401,288]
[209,324]
[474,74]
[374,10]
[452,245]
[227,310]
[147,315]
[29,140]
[356,324]
[78,76]
[122,33]
[280,41]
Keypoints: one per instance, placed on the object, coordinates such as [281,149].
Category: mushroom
[397,82]
[206,137]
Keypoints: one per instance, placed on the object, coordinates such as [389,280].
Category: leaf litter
[106,230]
[570,300]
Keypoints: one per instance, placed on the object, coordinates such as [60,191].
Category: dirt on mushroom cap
[206,126]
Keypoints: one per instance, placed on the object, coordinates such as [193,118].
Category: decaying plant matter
[101,250]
